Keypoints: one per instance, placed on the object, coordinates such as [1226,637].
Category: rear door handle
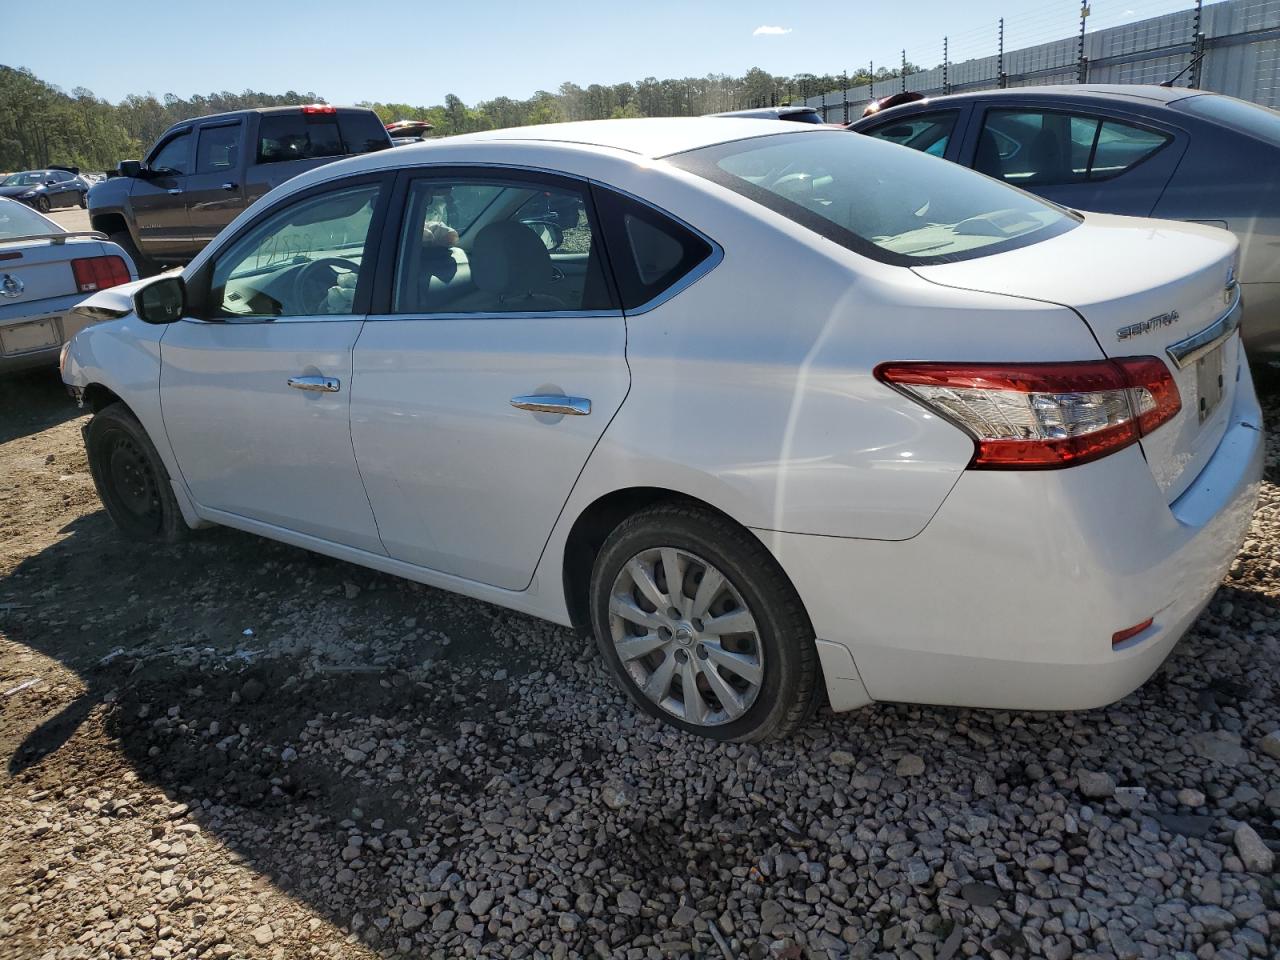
[316,384]
[553,403]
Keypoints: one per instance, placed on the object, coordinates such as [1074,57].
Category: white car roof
[651,137]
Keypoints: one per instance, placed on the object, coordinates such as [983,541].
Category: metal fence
[1231,47]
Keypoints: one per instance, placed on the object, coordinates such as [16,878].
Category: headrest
[508,258]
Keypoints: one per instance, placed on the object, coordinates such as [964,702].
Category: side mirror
[129,168]
[164,300]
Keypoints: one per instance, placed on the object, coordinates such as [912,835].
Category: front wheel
[124,240]
[132,481]
[702,627]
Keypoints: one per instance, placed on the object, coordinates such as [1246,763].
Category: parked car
[933,465]
[46,189]
[409,131]
[794,114]
[892,100]
[201,173]
[1139,150]
[44,272]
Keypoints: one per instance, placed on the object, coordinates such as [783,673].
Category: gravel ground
[238,749]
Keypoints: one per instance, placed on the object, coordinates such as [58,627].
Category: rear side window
[362,132]
[218,149]
[650,252]
[298,136]
[1031,148]
[928,132]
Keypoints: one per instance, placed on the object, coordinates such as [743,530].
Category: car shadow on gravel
[32,401]
[388,753]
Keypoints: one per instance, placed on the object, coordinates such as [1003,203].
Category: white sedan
[44,272]
[775,410]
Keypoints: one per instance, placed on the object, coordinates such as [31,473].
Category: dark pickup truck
[201,173]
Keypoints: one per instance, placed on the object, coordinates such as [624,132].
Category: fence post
[904,70]
[824,106]
[946,83]
[871,84]
[1082,67]
[1000,81]
[844,94]
[1197,48]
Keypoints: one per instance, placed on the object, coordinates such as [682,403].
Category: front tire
[131,479]
[701,626]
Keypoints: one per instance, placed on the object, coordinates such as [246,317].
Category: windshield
[17,220]
[1249,118]
[887,202]
[22,179]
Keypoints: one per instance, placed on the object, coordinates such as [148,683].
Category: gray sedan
[1146,151]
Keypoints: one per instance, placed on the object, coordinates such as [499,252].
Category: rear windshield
[807,116]
[17,220]
[299,136]
[1249,118]
[884,201]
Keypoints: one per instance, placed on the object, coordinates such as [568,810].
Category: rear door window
[218,149]
[650,252]
[1041,148]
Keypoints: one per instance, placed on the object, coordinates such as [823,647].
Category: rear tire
[146,266]
[131,479]
[43,204]
[743,645]
[84,200]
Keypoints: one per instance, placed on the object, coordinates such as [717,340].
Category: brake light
[319,108]
[98,273]
[1028,416]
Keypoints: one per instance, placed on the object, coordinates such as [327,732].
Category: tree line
[40,124]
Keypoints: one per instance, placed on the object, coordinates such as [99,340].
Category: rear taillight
[98,273]
[1027,416]
[319,108]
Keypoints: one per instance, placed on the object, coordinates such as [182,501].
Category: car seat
[511,265]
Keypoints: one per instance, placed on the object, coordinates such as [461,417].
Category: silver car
[44,272]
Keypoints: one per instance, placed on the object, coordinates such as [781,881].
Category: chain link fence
[1230,47]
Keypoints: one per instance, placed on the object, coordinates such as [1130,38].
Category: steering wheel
[311,284]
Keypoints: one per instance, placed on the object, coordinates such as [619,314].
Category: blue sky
[416,52]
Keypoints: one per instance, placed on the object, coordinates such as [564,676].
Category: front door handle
[553,403]
[316,384]
[174,191]
[230,186]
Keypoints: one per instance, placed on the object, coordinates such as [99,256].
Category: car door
[159,210]
[214,193]
[489,370]
[57,185]
[256,384]
[1084,157]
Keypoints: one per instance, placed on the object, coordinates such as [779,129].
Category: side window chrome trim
[251,320]
[500,315]
[704,267]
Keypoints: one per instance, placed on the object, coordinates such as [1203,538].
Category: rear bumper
[1010,596]
[56,310]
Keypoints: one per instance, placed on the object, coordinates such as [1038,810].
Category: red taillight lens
[1041,415]
[319,108]
[98,273]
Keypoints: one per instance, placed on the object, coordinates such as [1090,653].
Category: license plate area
[26,337]
[1210,384]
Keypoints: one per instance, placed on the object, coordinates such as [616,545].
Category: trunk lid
[35,270]
[1143,287]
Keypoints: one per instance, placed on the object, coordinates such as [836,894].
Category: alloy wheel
[685,636]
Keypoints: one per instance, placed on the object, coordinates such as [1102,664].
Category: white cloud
[767,31]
